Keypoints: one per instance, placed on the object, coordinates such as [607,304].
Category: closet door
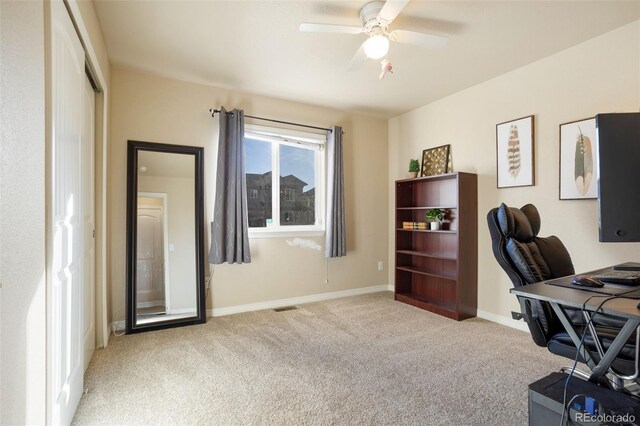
[65,322]
[87,183]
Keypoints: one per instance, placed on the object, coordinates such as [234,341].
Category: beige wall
[150,108]
[600,75]
[22,213]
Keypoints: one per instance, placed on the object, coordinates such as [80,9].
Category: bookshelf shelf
[427,208]
[441,231]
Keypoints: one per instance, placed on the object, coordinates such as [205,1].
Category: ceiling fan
[376,16]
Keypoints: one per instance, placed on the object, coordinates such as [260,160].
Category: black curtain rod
[217,111]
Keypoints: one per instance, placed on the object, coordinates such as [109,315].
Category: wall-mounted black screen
[619,183]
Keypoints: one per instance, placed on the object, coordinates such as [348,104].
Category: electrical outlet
[380,265]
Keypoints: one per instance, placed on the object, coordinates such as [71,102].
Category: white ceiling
[255,46]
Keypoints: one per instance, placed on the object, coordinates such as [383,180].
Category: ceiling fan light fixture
[376,46]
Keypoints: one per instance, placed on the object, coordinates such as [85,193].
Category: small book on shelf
[414,225]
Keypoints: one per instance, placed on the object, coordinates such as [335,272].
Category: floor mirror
[165,236]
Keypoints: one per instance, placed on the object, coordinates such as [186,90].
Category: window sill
[285,233]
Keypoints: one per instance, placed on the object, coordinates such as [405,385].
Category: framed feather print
[578,160]
[514,151]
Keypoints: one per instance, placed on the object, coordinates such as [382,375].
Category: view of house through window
[297,184]
[298,167]
[258,172]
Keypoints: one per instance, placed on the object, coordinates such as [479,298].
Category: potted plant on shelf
[414,168]
[435,217]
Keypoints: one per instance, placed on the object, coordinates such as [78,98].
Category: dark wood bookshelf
[438,270]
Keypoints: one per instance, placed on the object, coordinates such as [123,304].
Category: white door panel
[149,256]
[66,219]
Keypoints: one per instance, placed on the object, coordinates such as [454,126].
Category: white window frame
[253,193]
[313,141]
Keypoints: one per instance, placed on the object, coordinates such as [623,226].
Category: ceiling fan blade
[391,9]
[358,59]
[329,28]
[419,39]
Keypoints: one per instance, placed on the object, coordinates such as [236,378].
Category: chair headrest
[521,224]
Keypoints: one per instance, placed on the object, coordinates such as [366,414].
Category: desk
[560,297]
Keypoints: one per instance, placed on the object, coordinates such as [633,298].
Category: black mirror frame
[132,200]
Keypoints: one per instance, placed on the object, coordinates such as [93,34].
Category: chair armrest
[531,318]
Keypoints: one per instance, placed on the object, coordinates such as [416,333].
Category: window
[285,181]
[288,193]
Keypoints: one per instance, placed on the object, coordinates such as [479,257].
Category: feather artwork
[513,151]
[583,172]
[386,68]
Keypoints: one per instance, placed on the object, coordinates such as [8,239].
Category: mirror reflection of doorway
[152,253]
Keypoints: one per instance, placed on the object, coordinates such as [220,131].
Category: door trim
[89,222]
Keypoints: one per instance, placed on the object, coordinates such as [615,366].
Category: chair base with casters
[527,259]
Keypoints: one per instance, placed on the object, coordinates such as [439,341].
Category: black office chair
[527,258]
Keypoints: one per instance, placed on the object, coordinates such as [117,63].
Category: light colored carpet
[358,360]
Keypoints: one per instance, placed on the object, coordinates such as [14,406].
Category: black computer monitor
[618,138]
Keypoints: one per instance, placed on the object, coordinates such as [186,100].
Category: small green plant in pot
[435,218]
[414,168]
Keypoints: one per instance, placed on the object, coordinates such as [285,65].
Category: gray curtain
[229,229]
[336,241]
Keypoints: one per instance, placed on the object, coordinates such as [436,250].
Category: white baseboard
[509,322]
[273,304]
